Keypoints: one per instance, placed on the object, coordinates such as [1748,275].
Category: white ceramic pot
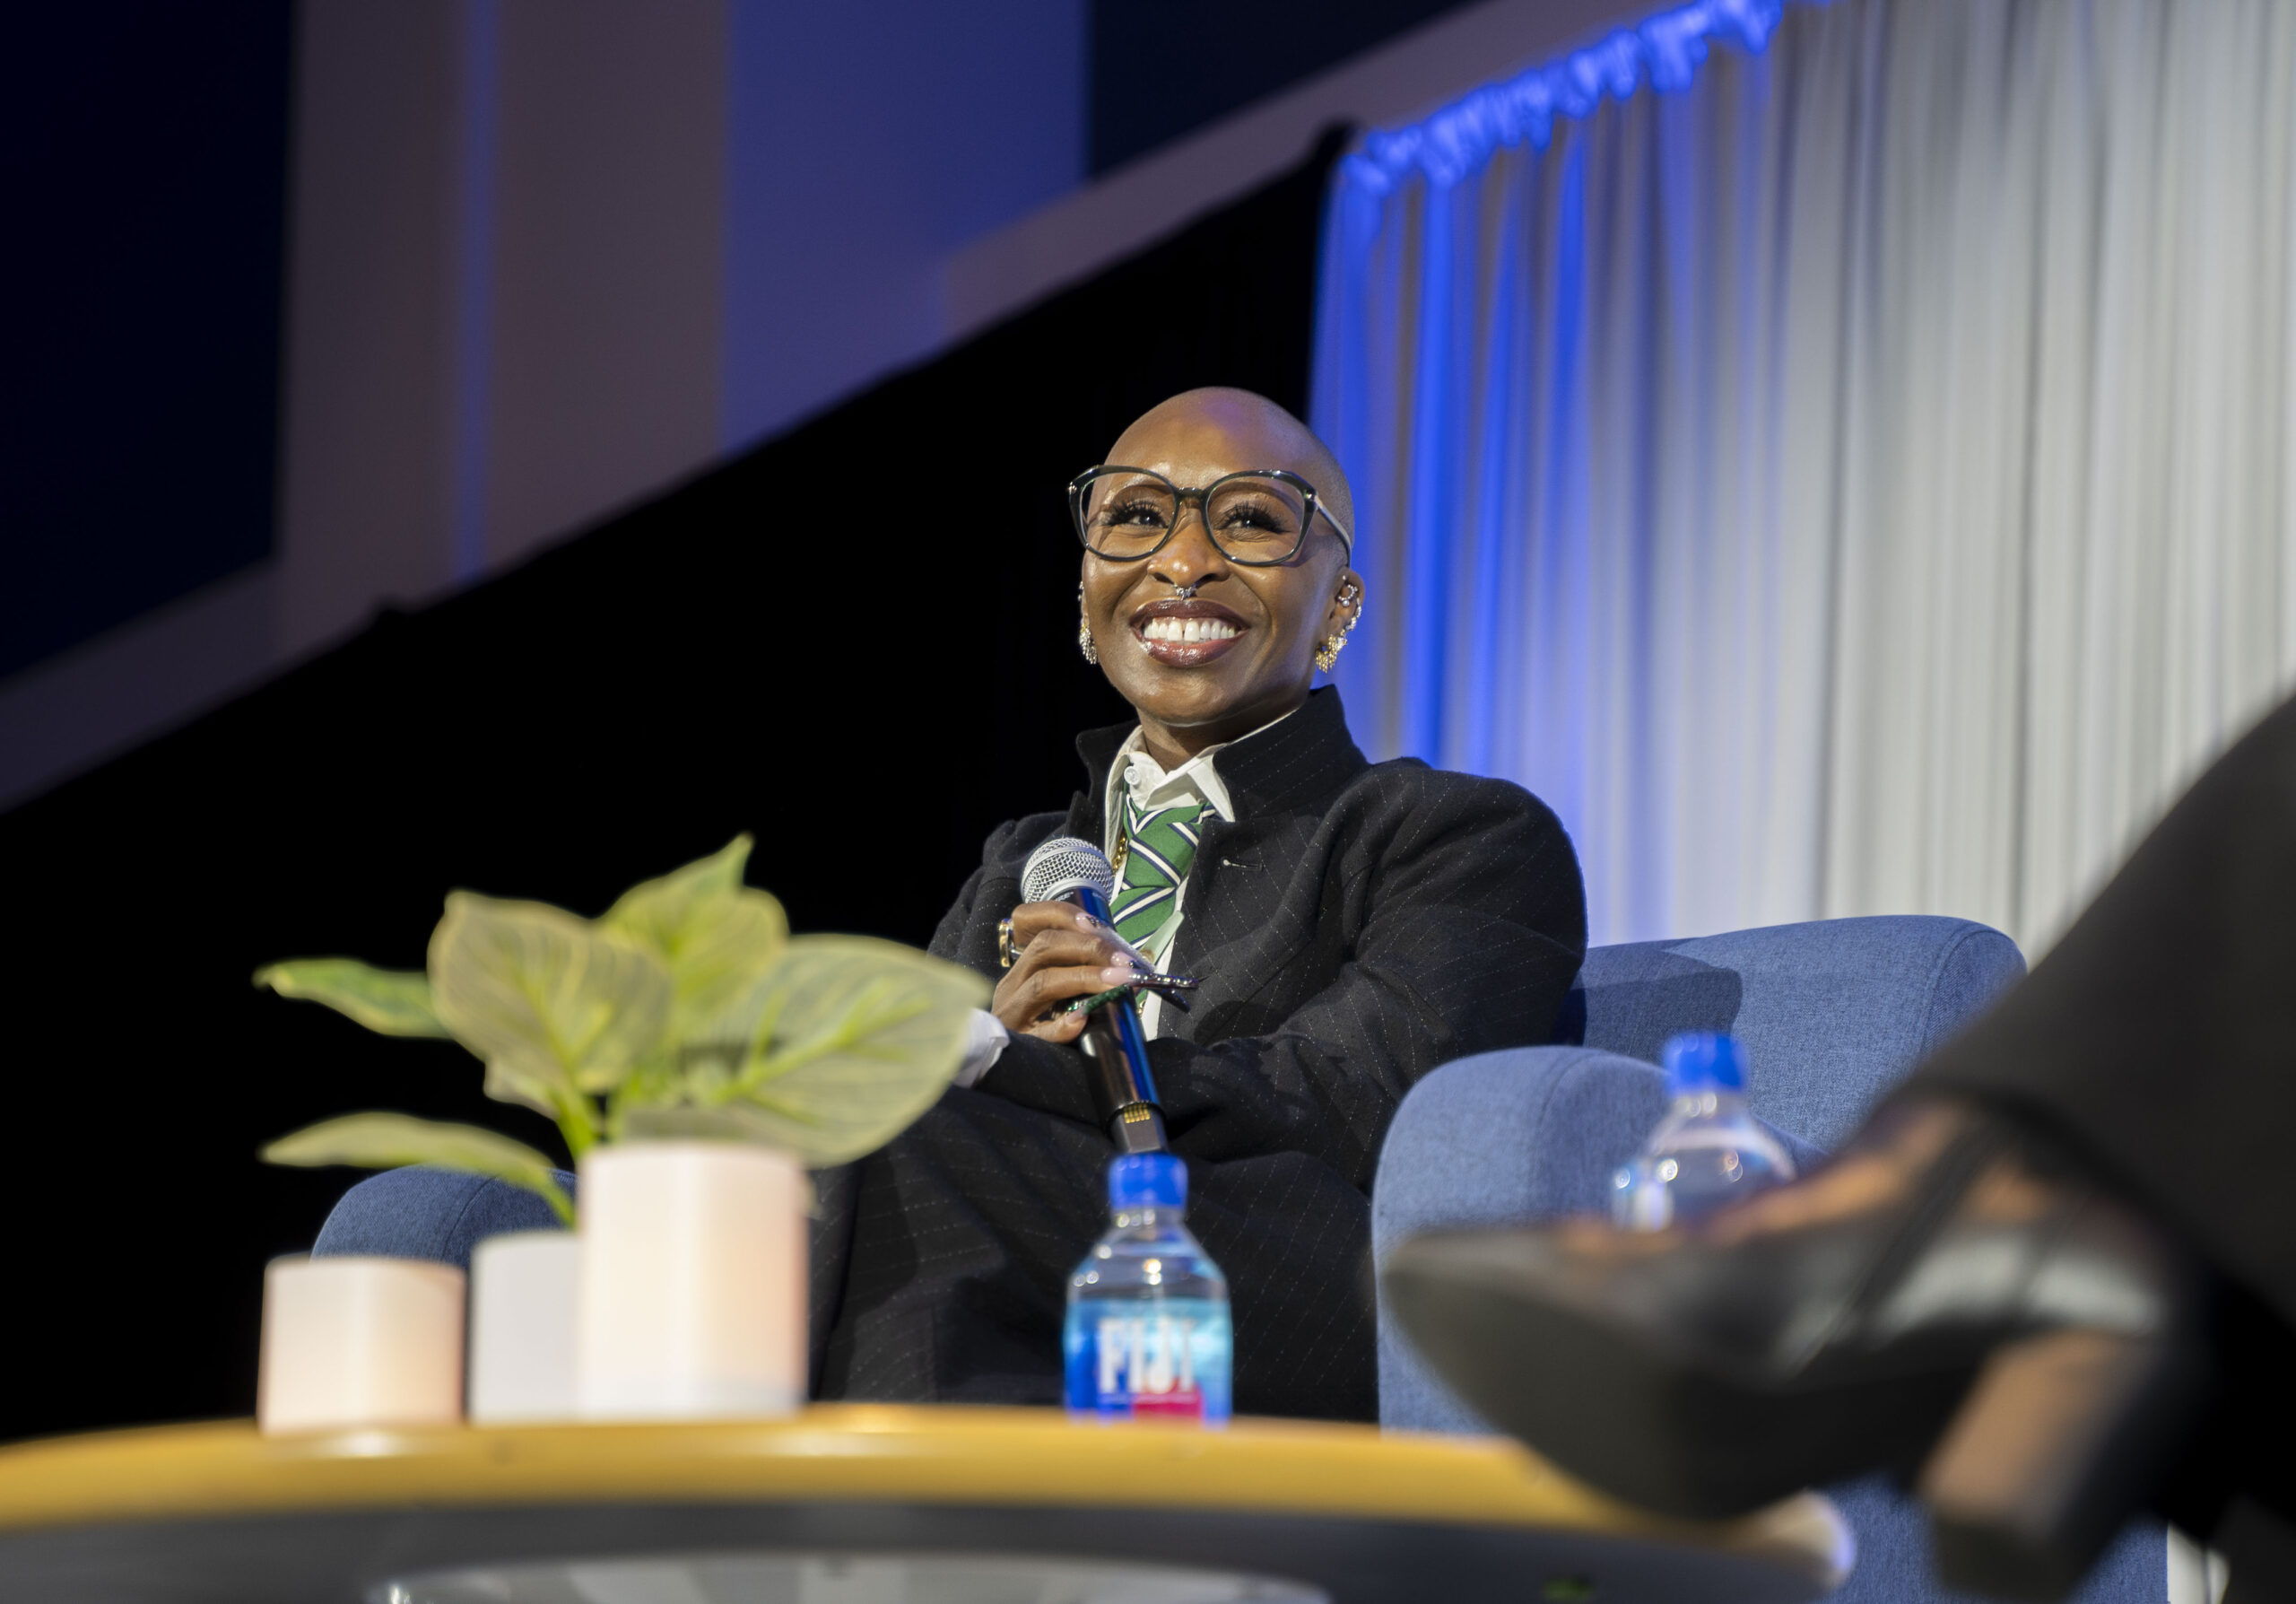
[360,1342]
[692,1298]
[522,1297]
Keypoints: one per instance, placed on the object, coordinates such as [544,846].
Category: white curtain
[1845,470]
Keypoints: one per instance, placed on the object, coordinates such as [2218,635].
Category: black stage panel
[856,641]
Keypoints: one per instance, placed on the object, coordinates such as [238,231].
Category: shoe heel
[2056,1444]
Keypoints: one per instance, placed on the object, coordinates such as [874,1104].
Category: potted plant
[696,1059]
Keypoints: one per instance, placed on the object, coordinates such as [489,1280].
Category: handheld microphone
[1067,869]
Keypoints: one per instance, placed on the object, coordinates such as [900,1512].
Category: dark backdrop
[144,156]
[857,641]
[1160,69]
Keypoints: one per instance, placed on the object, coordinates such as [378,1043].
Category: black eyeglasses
[1257,518]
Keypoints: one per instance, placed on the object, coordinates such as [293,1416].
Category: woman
[1353,926]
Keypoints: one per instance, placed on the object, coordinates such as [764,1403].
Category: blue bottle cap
[1147,1180]
[1705,1061]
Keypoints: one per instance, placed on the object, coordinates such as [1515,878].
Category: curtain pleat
[1854,477]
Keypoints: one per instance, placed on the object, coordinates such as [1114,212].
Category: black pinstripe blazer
[1356,925]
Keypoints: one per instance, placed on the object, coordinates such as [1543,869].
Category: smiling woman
[1219,617]
[1351,925]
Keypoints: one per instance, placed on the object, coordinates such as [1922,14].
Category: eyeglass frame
[1201,497]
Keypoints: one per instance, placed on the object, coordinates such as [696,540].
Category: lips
[1186,634]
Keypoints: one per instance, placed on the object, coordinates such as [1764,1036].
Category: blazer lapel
[1299,766]
[1282,780]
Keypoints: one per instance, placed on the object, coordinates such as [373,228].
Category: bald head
[1234,430]
[1208,646]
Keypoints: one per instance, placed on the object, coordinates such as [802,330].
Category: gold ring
[1004,943]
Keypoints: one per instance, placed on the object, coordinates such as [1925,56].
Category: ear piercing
[1328,652]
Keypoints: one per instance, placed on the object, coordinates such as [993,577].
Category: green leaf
[843,1042]
[717,935]
[392,1001]
[543,1089]
[556,1005]
[392,1141]
[655,911]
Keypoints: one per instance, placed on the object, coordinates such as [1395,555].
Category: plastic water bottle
[1148,1333]
[1709,1150]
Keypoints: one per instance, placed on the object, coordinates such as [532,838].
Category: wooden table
[826,1506]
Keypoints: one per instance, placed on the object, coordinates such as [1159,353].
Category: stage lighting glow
[1664,52]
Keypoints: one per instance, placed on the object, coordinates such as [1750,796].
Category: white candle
[360,1342]
[692,1289]
[522,1326]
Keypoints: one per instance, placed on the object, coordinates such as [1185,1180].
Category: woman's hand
[1062,953]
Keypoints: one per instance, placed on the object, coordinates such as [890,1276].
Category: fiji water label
[1164,1358]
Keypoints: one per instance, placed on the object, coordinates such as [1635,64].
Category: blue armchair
[1832,1013]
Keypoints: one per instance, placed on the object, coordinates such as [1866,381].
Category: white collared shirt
[1151,786]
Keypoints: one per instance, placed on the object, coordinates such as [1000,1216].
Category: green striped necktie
[1159,845]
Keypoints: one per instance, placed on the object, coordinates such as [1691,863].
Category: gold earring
[1328,652]
[1084,628]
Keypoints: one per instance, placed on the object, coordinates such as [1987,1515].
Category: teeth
[1187,631]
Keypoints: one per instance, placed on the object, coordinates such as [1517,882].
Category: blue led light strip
[1664,51]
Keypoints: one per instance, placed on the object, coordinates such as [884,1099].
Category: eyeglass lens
[1254,518]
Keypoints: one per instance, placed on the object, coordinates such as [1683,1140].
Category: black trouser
[942,1265]
[2158,1039]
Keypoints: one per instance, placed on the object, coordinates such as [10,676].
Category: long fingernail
[1117,974]
[1085,922]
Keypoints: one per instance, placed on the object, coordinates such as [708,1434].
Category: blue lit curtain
[1839,455]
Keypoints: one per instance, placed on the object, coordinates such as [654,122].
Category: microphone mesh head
[1062,864]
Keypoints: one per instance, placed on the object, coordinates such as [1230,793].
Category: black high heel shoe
[1946,1289]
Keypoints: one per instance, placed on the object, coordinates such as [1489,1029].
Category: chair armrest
[1529,1133]
[1525,1134]
[422,1213]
